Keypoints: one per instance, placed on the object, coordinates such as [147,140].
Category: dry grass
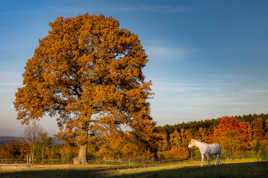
[229,168]
[23,167]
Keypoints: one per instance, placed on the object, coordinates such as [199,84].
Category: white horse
[207,149]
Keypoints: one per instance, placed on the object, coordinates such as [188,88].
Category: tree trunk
[82,155]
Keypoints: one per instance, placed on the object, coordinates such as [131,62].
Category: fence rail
[24,161]
[96,161]
[58,161]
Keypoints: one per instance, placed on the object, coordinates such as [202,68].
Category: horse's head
[192,143]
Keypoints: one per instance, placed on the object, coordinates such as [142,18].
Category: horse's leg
[218,159]
[202,159]
[208,158]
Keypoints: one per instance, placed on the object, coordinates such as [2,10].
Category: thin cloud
[172,95]
[179,101]
[9,79]
[155,9]
[134,8]
[10,84]
[4,91]
[258,91]
[169,53]
[73,10]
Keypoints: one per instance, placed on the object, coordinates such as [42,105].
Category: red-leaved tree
[232,135]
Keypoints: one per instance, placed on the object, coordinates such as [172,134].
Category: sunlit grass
[174,165]
[18,167]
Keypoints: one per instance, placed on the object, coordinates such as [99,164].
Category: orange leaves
[229,126]
[88,73]
[231,134]
[258,131]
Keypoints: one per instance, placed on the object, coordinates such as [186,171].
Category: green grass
[187,169]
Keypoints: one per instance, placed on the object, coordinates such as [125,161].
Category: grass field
[187,169]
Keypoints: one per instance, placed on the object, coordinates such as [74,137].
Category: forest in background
[240,137]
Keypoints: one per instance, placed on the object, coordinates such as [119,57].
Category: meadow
[242,168]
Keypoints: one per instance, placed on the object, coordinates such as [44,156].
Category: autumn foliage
[168,142]
[232,135]
[87,73]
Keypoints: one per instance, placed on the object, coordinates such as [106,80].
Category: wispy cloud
[4,91]
[190,94]
[9,84]
[131,8]
[176,101]
[10,80]
[169,53]
[258,91]
[155,8]
[73,10]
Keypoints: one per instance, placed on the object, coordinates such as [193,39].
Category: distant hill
[4,140]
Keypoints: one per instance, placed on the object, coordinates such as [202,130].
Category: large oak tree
[87,73]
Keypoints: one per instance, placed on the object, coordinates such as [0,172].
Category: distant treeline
[211,123]
[239,136]
[253,129]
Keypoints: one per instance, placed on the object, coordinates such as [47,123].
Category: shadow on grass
[237,170]
[57,173]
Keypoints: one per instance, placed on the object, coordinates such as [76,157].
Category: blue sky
[207,58]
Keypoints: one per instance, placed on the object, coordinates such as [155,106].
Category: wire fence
[24,161]
[130,163]
[108,162]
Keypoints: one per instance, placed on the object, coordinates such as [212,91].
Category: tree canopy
[87,73]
